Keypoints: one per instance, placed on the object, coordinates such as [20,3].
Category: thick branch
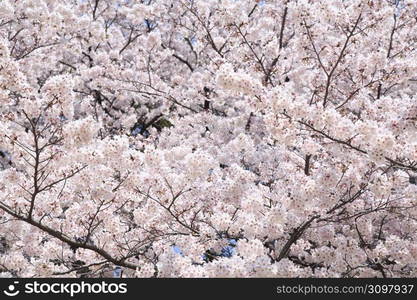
[60,236]
[294,237]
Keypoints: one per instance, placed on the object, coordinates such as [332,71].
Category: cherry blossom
[208,138]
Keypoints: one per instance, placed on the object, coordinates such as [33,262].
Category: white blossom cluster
[237,81]
[208,138]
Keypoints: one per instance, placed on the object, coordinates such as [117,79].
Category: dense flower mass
[214,138]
